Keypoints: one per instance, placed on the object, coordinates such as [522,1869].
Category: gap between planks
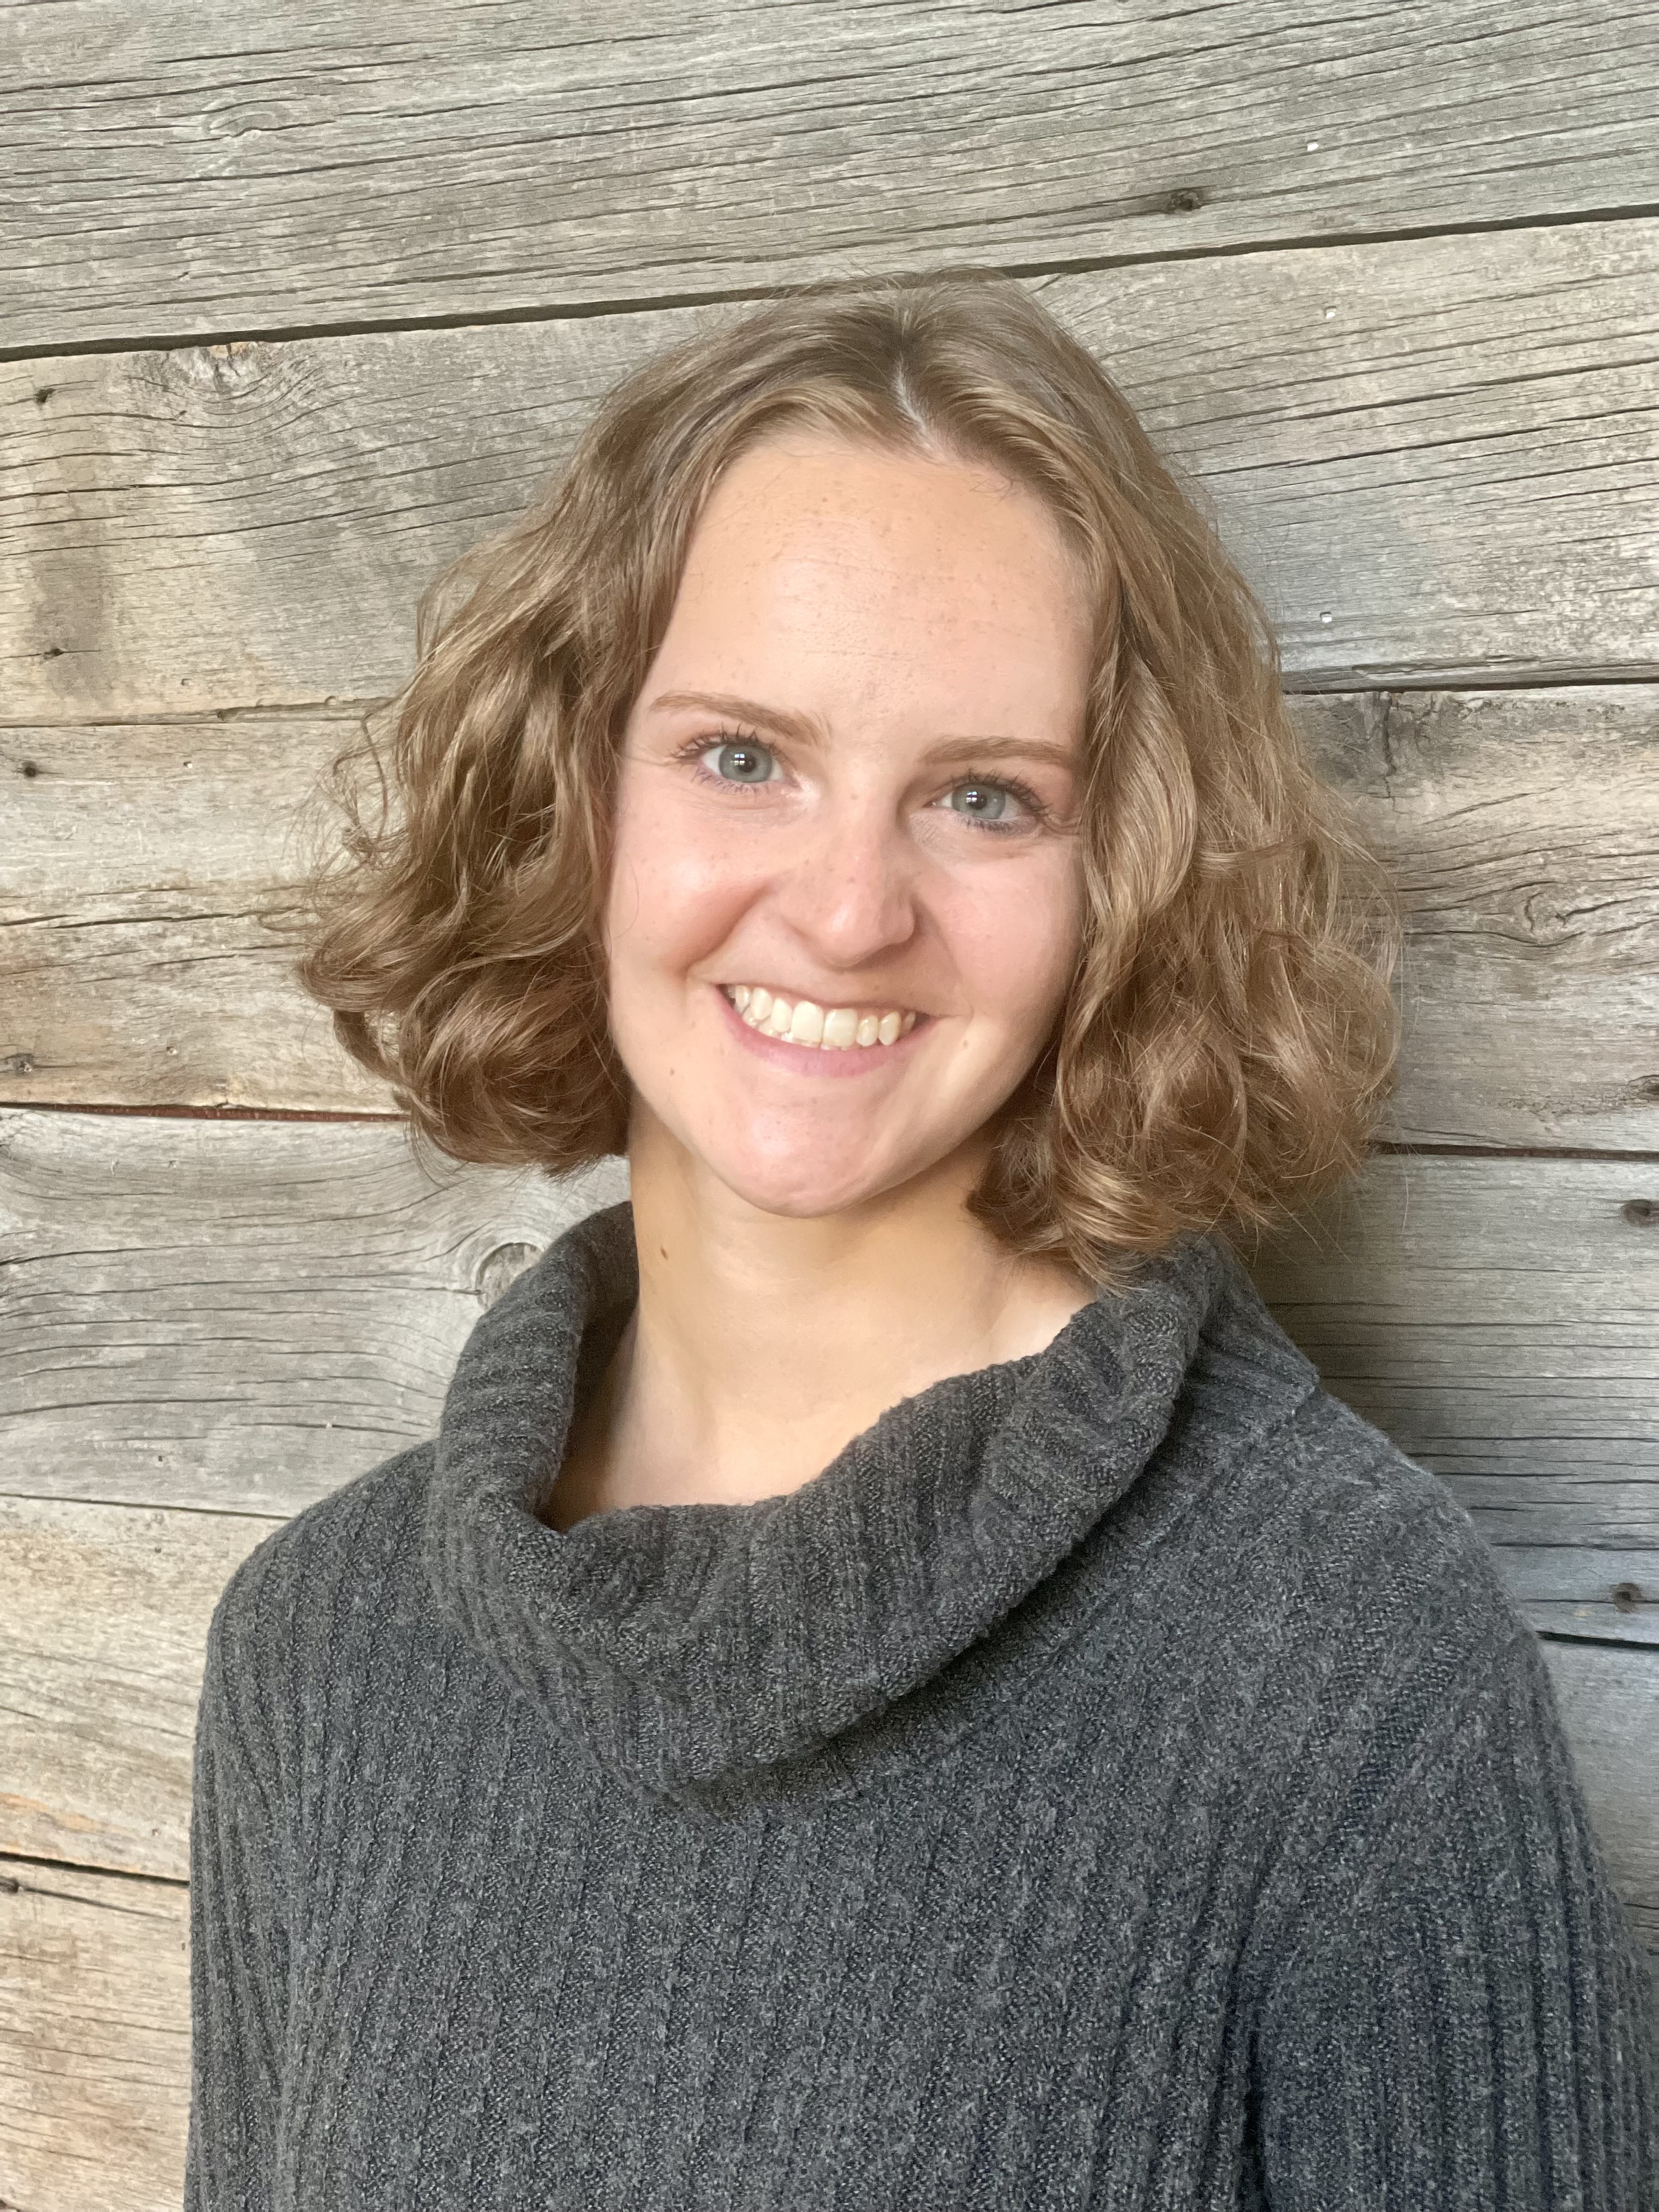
[653,303]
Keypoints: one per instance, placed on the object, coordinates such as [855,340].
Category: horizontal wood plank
[145,862]
[101,1669]
[1431,472]
[324,165]
[1609,1705]
[1522,831]
[95,2040]
[149,866]
[238,1316]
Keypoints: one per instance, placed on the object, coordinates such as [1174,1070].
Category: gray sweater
[1119,1779]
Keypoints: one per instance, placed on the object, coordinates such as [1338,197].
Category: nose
[850,889]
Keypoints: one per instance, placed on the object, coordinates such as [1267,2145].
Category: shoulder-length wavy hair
[1229,1033]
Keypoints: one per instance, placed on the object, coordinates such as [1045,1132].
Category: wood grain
[101,1668]
[148,868]
[1435,459]
[1522,831]
[238,1315]
[325,165]
[95,2040]
[146,863]
[1433,473]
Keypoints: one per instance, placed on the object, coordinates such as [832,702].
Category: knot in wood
[497,1269]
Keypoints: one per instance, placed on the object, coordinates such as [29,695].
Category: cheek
[1013,937]
[677,884]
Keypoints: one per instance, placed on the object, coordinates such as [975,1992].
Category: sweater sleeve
[1465,2020]
[239,1942]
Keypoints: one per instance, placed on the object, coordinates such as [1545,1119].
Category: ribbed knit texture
[1119,1779]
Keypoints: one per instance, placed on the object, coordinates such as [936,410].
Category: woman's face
[847,796]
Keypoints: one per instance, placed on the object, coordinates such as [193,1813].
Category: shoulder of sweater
[1364,1595]
[1328,1486]
[345,1549]
[1341,1540]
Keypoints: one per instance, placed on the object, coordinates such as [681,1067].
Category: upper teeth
[804,1023]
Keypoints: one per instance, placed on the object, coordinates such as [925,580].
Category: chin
[805,1197]
[806,1188]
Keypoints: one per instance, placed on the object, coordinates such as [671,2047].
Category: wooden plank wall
[300,303]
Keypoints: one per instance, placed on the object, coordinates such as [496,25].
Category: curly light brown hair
[1229,1034]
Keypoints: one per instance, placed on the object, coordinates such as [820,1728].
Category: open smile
[799,1034]
[803,1021]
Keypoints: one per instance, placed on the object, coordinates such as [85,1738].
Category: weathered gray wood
[95,2040]
[1431,471]
[240,1316]
[145,865]
[315,164]
[1523,828]
[1609,1705]
[1498,1313]
[105,1617]
[1585,1588]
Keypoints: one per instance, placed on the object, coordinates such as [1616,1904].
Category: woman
[893,1686]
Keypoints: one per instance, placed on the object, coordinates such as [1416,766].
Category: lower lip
[812,1059]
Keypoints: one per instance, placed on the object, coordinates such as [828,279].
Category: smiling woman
[893,1684]
[915,526]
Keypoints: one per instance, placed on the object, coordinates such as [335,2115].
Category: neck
[762,1344]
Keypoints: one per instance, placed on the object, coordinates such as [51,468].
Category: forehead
[811,546]
[800,488]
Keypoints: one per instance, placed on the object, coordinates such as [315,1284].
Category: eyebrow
[806,730]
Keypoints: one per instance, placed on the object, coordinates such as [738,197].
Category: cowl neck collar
[693,1648]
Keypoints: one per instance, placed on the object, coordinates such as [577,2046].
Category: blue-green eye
[981,802]
[744,762]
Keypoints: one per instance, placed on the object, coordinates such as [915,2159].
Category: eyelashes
[1041,816]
